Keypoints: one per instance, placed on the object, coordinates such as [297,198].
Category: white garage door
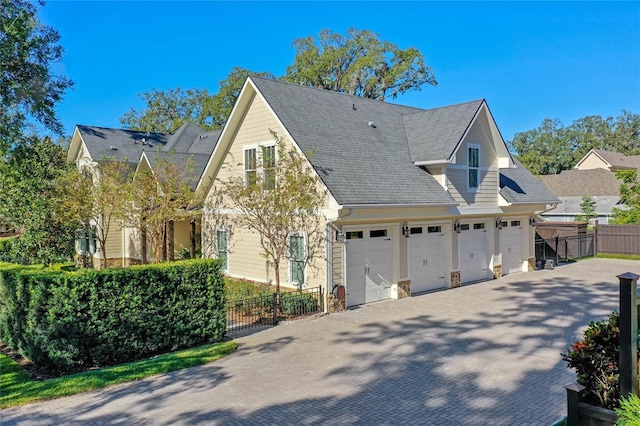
[512,238]
[426,258]
[368,272]
[473,252]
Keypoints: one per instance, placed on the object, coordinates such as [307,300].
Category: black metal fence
[260,311]
[565,249]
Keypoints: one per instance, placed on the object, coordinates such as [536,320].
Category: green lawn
[18,388]
[618,256]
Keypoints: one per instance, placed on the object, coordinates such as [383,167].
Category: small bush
[297,303]
[595,359]
[629,411]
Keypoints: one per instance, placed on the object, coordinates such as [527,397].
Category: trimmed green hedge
[65,320]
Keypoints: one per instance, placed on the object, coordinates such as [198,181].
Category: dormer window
[473,166]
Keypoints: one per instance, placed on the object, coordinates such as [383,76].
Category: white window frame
[291,260]
[264,147]
[226,231]
[477,168]
[244,162]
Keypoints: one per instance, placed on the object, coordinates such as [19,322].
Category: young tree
[29,90]
[97,199]
[281,200]
[358,63]
[587,209]
[161,194]
[629,197]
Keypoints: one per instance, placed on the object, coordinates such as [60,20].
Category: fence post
[557,240]
[628,363]
[574,394]
[595,239]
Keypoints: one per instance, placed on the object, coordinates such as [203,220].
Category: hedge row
[65,320]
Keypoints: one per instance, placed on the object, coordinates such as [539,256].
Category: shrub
[64,321]
[595,359]
[297,303]
[629,411]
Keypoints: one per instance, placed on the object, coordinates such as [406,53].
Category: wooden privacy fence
[620,239]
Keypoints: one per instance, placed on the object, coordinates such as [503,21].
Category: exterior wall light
[339,235]
[457,227]
[499,222]
[532,221]
[406,231]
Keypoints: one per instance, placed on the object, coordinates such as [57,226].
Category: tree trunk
[171,240]
[164,241]
[192,239]
[276,265]
[143,244]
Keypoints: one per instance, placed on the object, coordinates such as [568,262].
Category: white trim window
[269,167]
[297,255]
[473,167]
[250,166]
[222,246]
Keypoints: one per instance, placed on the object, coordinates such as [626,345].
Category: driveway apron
[482,354]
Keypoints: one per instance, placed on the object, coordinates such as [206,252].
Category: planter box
[580,413]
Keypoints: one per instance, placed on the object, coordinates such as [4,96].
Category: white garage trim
[514,239]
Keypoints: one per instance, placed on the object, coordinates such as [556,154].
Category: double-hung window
[269,166]
[222,238]
[296,259]
[250,166]
[473,163]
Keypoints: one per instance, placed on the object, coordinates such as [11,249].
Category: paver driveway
[483,354]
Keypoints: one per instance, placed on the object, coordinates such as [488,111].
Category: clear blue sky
[562,60]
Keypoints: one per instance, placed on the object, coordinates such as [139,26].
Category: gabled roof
[576,183]
[434,134]
[519,186]
[368,152]
[571,205]
[613,160]
[359,146]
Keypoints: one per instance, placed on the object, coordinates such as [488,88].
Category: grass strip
[618,256]
[17,388]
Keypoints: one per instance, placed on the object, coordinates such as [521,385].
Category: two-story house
[416,199]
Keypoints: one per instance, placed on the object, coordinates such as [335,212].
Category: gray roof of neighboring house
[518,185]
[576,183]
[618,160]
[189,141]
[571,205]
[364,149]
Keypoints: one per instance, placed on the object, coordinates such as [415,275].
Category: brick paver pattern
[482,354]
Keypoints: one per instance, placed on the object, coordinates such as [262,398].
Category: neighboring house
[612,161]
[416,199]
[593,175]
[189,144]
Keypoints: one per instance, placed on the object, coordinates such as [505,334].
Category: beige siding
[113,243]
[246,256]
[337,264]
[457,176]
[181,237]
[593,162]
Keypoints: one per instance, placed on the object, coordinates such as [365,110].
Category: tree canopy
[167,110]
[358,63]
[552,147]
[629,198]
[29,90]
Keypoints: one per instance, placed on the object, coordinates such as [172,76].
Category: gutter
[382,206]
[430,162]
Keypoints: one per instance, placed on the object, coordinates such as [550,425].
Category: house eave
[396,205]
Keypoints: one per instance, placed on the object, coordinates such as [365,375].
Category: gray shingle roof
[359,163]
[619,161]
[189,142]
[576,183]
[364,149]
[433,134]
[518,185]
